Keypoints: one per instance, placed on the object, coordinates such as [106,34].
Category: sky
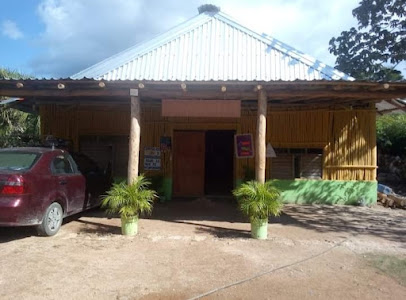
[58,38]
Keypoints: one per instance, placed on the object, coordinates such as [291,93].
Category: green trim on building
[167,188]
[306,191]
[303,191]
[327,191]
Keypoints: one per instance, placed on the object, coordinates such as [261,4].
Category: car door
[70,182]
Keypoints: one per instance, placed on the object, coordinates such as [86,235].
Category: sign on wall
[270,151]
[166,143]
[152,158]
[201,108]
[244,147]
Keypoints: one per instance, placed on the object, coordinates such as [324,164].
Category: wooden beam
[260,157]
[398,105]
[199,92]
[62,93]
[381,112]
[135,133]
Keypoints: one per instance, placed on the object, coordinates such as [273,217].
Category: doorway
[188,166]
[219,162]
[203,163]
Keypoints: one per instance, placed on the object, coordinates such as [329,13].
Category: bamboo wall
[351,150]
[347,137]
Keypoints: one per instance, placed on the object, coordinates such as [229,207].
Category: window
[18,161]
[297,163]
[61,165]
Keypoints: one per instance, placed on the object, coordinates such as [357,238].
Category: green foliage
[258,200]
[130,200]
[379,40]
[17,128]
[391,134]
[10,74]
[119,179]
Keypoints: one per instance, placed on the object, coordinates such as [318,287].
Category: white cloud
[80,33]
[11,30]
[306,25]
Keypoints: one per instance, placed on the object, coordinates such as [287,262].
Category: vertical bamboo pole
[260,157]
[374,156]
[135,131]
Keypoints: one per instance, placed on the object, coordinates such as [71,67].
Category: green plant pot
[129,226]
[259,229]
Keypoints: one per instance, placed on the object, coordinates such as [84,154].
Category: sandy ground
[187,249]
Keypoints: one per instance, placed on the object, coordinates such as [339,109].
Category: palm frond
[258,200]
[130,199]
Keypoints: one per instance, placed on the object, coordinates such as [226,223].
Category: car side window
[61,165]
[74,165]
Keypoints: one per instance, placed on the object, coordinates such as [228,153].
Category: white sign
[270,152]
[152,158]
[152,151]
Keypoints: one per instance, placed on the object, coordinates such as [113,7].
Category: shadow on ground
[8,234]
[387,224]
[98,228]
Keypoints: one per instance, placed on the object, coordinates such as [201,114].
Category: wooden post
[134,145]
[374,155]
[260,157]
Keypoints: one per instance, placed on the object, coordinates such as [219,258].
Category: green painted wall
[314,191]
[327,191]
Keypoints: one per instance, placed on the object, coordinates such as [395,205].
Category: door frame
[232,134]
[203,127]
[201,133]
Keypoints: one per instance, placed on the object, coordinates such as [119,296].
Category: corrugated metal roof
[211,47]
[9,100]
[391,106]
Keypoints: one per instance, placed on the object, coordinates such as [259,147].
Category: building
[182,106]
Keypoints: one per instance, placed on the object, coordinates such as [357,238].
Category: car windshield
[17,161]
[85,163]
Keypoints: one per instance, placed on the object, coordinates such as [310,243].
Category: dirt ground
[192,248]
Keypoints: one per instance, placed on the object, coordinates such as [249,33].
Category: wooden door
[189,155]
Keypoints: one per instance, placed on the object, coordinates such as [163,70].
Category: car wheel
[52,220]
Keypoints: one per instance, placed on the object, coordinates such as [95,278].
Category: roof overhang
[391,106]
[280,93]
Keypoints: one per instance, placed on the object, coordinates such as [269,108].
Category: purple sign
[244,147]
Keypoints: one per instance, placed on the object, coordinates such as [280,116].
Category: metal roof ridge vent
[209,9]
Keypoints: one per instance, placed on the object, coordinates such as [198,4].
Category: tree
[17,128]
[374,49]
[391,134]
[391,141]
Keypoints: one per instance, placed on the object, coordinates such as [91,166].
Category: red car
[41,186]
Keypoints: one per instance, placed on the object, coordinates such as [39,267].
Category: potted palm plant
[258,201]
[130,200]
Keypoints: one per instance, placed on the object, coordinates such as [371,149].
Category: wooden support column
[135,132]
[374,154]
[260,157]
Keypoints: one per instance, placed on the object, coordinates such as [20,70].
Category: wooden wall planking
[347,137]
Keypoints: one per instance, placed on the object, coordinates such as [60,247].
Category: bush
[18,129]
[391,134]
